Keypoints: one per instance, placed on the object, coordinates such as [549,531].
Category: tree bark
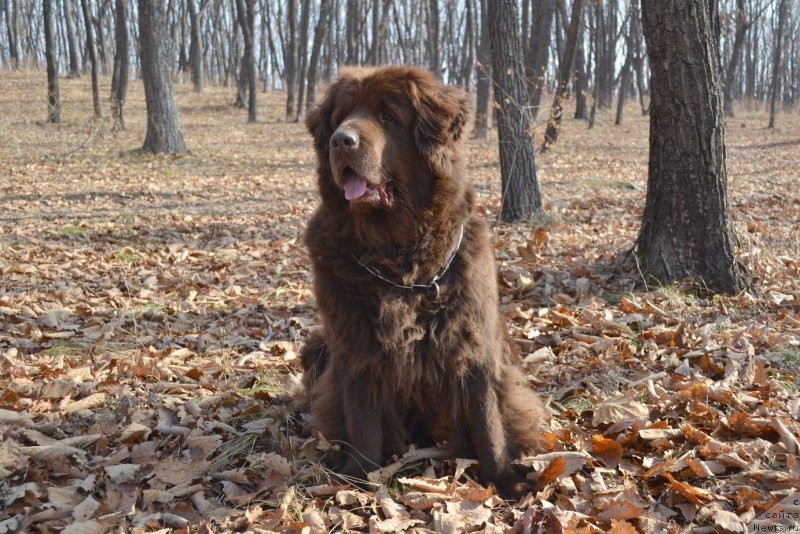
[483,69]
[92,53]
[536,57]
[196,46]
[319,35]
[625,73]
[435,58]
[580,77]
[163,124]
[302,54]
[520,189]
[777,70]
[290,58]
[638,61]
[13,37]
[686,230]
[72,45]
[119,81]
[53,98]
[565,72]
[742,25]
[245,13]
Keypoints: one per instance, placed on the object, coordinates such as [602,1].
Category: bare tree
[742,25]
[686,230]
[777,70]
[13,36]
[245,12]
[323,23]
[302,57]
[433,45]
[119,76]
[92,53]
[536,57]
[72,45]
[196,44]
[290,58]
[53,98]
[163,124]
[625,73]
[554,123]
[520,188]
[484,72]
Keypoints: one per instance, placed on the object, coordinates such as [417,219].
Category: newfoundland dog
[413,349]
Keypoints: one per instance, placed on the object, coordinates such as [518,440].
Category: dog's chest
[407,327]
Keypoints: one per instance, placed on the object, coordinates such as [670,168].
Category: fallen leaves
[152,309]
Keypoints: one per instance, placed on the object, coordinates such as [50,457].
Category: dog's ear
[318,119]
[442,112]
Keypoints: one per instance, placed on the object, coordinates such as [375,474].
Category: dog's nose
[345,139]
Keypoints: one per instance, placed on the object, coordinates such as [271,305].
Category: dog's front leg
[364,424]
[486,424]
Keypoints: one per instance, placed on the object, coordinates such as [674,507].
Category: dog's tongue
[354,188]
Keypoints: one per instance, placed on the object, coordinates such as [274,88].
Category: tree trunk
[72,45]
[245,13]
[290,58]
[319,35]
[484,73]
[163,124]
[13,38]
[742,24]
[351,19]
[565,72]
[536,57]
[302,53]
[468,54]
[119,83]
[580,77]
[625,74]
[196,46]
[686,229]
[777,68]
[92,53]
[638,60]
[53,98]
[435,58]
[100,41]
[520,189]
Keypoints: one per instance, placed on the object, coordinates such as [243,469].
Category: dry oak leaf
[620,526]
[607,450]
[618,409]
[176,470]
[121,473]
[572,461]
[84,527]
[729,521]
[691,493]
[390,508]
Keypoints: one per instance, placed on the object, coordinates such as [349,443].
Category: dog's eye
[386,117]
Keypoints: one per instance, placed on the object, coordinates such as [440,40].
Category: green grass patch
[65,349]
[790,357]
[71,230]
[577,404]
[128,255]
[268,383]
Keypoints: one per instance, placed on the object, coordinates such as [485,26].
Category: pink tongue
[354,188]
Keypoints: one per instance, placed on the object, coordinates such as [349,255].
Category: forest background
[152,306]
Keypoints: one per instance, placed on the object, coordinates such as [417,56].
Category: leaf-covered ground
[152,308]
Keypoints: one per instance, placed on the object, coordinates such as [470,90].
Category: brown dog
[413,347]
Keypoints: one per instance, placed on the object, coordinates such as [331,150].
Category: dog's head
[387,135]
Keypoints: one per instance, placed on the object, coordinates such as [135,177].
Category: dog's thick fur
[394,365]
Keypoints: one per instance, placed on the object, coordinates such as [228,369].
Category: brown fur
[396,365]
